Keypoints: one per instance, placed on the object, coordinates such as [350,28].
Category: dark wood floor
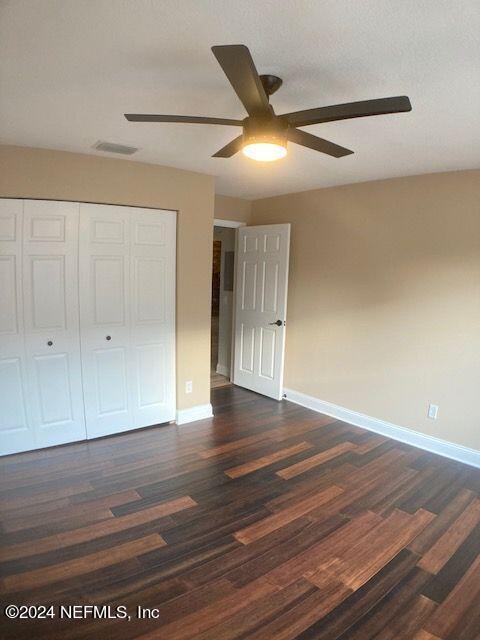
[267,522]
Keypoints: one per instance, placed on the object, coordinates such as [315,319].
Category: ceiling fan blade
[318,144]
[238,66]
[348,110]
[230,149]
[145,117]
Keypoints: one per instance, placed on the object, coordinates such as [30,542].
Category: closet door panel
[153,242]
[104,312]
[16,429]
[51,315]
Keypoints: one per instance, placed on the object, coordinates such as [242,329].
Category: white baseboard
[223,370]
[200,412]
[409,436]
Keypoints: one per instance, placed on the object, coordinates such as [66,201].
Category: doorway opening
[222,305]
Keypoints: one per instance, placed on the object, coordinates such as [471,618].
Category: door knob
[49,343]
[108,338]
[279,323]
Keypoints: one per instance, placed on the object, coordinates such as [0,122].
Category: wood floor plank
[365,558]
[424,635]
[339,623]
[441,585]
[12,499]
[96,509]
[451,611]
[312,559]
[234,445]
[442,522]
[258,613]
[373,442]
[97,530]
[281,518]
[265,461]
[436,557]
[189,626]
[314,461]
[398,615]
[298,618]
[84,564]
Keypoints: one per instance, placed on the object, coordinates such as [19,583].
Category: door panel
[46,228]
[267,353]
[108,289]
[8,286]
[13,415]
[149,289]
[111,380]
[153,315]
[127,259]
[249,286]
[105,330]
[52,377]
[46,278]
[51,316]
[151,367]
[260,301]
[16,429]
[247,347]
[269,295]
[108,231]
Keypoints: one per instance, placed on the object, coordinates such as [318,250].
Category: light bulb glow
[264,151]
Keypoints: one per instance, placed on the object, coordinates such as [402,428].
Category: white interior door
[127,302]
[51,322]
[261,282]
[16,427]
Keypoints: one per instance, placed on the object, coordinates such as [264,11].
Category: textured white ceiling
[69,69]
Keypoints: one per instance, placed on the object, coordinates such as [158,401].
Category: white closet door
[51,317]
[104,313]
[127,303]
[152,295]
[16,428]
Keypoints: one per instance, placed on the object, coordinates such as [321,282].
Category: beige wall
[40,173]
[384,294]
[384,299]
[228,208]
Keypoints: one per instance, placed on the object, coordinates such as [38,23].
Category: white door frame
[231,224]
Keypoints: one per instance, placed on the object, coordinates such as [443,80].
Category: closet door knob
[108,338]
[49,343]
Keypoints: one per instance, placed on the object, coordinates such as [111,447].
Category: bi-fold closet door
[127,307]
[41,399]
[87,298]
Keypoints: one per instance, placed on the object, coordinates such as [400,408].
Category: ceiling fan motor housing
[270,129]
[270,83]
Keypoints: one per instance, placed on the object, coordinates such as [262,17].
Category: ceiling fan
[265,134]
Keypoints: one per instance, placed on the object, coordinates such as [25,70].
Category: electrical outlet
[188,386]
[432,411]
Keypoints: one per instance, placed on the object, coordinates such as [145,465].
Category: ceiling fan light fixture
[265,151]
[264,139]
